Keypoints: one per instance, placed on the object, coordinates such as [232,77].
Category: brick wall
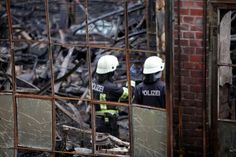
[189,82]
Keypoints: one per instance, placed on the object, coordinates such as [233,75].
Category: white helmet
[106,64]
[152,65]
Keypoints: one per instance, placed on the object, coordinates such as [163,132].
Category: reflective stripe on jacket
[108,91]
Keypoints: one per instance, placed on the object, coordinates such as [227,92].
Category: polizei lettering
[151,92]
[98,88]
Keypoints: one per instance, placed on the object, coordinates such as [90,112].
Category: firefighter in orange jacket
[106,90]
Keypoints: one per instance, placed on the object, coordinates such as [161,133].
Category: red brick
[195,58]
[195,88]
[199,35]
[199,80]
[188,50]
[198,4]
[196,43]
[188,19]
[196,28]
[188,103]
[199,96]
[183,42]
[184,58]
[176,10]
[191,72]
[190,81]
[188,35]
[185,27]
[185,73]
[198,66]
[199,50]
[185,88]
[196,73]
[196,12]
[184,11]
[188,95]
[188,65]
[188,110]
[186,4]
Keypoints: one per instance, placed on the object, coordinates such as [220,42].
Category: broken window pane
[149,132]
[6,124]
[226,74]
[224,50]
[227,138]
[34,123]
[73,126]
[6,152]
[227,96]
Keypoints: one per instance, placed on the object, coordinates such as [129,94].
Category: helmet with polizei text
[153,65]
[107,64]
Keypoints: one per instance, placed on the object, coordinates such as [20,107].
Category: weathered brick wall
[189,76]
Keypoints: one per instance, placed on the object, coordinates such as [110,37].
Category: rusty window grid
[53,97]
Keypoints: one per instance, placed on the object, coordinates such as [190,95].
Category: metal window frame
[126,50]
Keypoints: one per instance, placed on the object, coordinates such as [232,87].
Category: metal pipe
[204,101]
[52,76]
[93,115]
[147,22]
[169,74]
[12,62]
[128,75]
[180,129]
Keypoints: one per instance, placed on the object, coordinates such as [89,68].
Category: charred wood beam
[100,137]
[74,116]
[64,68]
[46,87]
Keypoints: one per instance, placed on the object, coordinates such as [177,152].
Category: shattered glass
[149,132]
[6,152]
[227,138]
[34,123]
[6,125]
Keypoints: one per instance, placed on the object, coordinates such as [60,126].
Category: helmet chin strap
[103,77]
[151,78]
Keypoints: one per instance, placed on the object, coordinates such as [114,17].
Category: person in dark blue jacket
[151,91]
